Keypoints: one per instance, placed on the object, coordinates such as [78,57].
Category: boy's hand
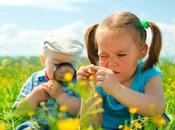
[38,94]
[54,88]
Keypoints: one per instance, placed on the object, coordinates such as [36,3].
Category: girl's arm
[150,103]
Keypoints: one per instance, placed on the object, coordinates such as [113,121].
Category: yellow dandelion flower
[137,125]
[1,67]
[68,124]
[145,118]
[100,100]
[63,108]
[133,110]
[173,85]
[35,124]
[61,115]
[90,128]
[127,128]
[91,77]
[31,113]
[30,128]
[160,121]
[5,62]
[95,95]
[120,126]
[2,126]
[82,83]
[68,77]
[169,79]
[42,104]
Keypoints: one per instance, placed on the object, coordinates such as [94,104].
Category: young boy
[61,47]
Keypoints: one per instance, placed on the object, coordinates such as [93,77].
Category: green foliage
[14,72]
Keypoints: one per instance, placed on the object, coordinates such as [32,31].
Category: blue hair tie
[143,24]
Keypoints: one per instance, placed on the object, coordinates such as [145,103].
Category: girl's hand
[85,71]
[54,88]
[107,80]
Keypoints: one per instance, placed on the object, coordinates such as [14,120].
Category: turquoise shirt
[116,113]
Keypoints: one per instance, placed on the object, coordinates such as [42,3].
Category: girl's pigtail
[155,47]
[92,50]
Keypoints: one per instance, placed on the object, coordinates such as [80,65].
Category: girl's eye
[121,55]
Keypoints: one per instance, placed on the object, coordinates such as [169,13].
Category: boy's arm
[71,102]
[32,100]
[21,104]
[64,96]
[30,95]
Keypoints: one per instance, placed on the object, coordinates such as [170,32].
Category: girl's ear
[143,51]
[42,59]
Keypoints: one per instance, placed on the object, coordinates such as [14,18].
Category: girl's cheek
[103,63]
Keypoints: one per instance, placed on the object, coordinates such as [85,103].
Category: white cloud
[15,41]
[168,39]
[23,42]
[168,33]
[19,42]
[67,5]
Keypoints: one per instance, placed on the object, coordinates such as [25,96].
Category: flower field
[14,72]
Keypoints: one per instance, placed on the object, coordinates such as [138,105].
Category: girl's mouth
[116,72]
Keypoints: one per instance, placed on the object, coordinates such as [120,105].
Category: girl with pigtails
[126,72]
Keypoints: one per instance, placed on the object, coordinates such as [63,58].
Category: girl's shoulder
[148,73]
[142,77]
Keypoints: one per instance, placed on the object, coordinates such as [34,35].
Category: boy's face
[53,58]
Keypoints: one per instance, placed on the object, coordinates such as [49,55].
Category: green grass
[14,72]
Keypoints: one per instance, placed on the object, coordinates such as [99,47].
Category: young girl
[123,79]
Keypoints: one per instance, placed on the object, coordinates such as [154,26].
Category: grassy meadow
[14,72]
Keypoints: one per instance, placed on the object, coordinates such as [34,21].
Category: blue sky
[23,23]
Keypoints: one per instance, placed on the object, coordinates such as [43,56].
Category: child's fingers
[81,77]
[99,83]
[101,72]
[44,84]
[47,89]
[82,73]
[84,69]
[92,69]
[99,78]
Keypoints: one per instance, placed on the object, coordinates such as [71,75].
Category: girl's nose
[112,63]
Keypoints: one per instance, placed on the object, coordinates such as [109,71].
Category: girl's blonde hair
[130,22]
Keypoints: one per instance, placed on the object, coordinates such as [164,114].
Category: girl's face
[53,58]
[118,52]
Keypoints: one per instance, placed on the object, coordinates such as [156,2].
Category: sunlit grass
[14,72]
